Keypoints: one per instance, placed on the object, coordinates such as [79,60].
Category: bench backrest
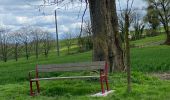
[72,66]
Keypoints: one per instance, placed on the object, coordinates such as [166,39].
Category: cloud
[63,28]
[23,20]
[19,13]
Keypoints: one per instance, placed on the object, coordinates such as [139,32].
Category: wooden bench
[85,66]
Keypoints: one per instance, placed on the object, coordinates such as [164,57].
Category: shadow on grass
[68,91]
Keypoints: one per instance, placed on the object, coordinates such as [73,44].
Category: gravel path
[163,76]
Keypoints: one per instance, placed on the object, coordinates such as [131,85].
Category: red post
[31,90]
[37,82]
[38,87]
[107,85]
[106,75]
[101,81]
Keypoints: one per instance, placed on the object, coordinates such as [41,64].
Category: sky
[15,14]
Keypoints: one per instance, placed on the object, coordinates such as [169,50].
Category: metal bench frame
[103,77]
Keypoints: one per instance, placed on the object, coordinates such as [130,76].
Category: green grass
[149,40]
[151,59]
[14,84]
[144,87]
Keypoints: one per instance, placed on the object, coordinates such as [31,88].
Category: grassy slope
[149,40]
[14,81]
[148,59]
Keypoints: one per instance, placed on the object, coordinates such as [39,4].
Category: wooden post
[58,51]
[31,90]
[101,81]
[106,76]
[127,52]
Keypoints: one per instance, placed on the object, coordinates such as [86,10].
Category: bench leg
[107,85]
[31,90]
[101,81]
[38,87]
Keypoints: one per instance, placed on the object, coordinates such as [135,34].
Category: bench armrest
[29,73]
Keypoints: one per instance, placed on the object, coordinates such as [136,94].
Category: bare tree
[85,40]
[4,42]
[67,37]
[87,33]
[37,35]
[122,22]
[138,25]
[25,38]
[47,38]
[162,7]
[14,37]
[125,22]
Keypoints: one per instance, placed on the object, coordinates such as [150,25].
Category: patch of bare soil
[163,76]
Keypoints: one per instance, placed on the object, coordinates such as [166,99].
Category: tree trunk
[97,23]
[16,51]
[36,49]
[26,50]
[127,52]
[106,37]
[117,48]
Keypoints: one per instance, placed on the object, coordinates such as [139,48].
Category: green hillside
[14,84]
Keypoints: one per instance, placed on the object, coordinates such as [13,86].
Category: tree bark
[97,22]
[106,37]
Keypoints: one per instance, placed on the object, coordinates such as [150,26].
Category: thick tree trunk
[117,48]
[106,42]
[97,22]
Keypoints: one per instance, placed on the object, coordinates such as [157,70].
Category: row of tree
[26,41]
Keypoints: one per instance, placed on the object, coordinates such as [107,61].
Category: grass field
[149,40]
[14,84]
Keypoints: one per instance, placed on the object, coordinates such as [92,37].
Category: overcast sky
[18,13]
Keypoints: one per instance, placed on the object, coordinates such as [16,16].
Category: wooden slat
[72,66]
[60,78]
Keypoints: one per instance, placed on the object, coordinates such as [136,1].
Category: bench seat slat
[59,78]
[71,66]
[68,69]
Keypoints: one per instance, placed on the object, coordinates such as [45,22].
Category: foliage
[85,42]
[152,18]
[162,8]
[148,40]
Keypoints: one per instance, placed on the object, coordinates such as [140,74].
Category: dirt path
[163,76]
[151,44]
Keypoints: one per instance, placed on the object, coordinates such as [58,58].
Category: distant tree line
[25,42]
